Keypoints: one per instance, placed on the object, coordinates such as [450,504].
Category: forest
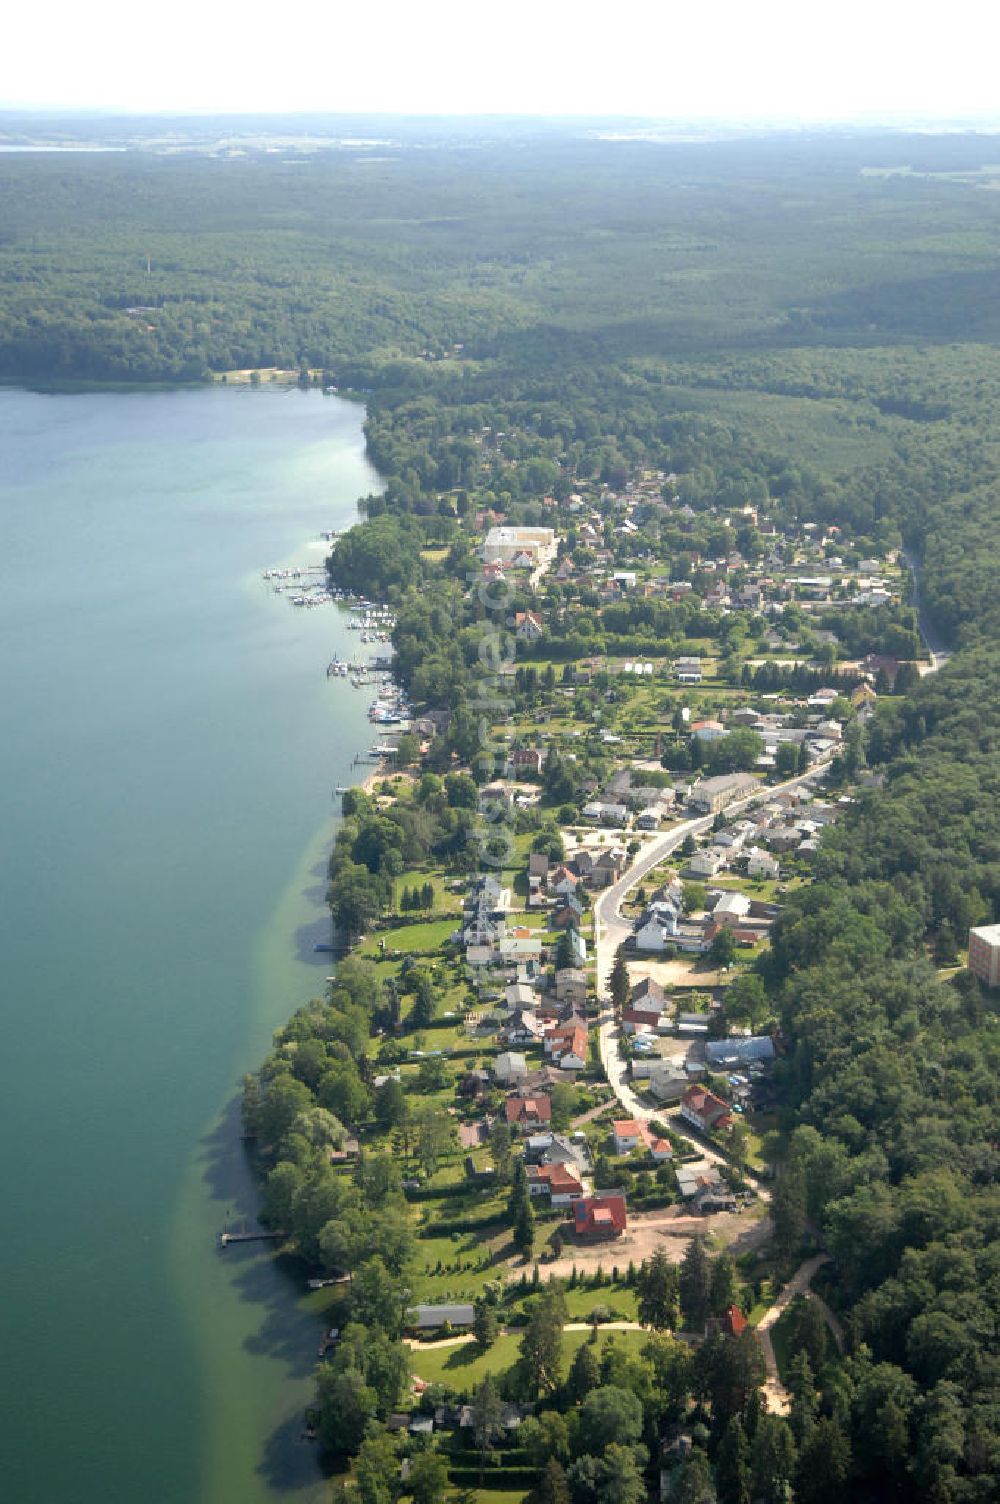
[757,319]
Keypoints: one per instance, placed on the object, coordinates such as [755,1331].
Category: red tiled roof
[526,1109]
[735,1321]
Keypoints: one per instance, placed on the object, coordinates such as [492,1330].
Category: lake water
[170,746]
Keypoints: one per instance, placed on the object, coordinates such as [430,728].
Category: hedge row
[495,1477]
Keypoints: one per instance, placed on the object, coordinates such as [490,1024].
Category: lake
[170,747]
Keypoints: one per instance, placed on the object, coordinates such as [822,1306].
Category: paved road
[610,930]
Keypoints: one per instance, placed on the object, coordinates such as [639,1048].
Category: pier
[225,1238]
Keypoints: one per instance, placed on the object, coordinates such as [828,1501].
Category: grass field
[426,936]
[463,1367]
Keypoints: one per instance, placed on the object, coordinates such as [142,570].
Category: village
[591,1075]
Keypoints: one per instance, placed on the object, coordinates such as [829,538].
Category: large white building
[984,953]
[503,545]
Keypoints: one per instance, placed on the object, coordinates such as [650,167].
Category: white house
[731,909]
[706,863]
[510,1065]
[763,864]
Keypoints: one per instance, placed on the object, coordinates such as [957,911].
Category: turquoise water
[169,748]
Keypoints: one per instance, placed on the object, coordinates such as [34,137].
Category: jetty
[225,1238]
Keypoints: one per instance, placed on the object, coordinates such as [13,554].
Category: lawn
[464,1366]
[426,936]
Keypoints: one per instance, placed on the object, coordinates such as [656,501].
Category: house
[538,867]
[706,863]
[705,1110]
[732,1323]
[571,985]
[578,947]
[608,814]
[563,882]
[430,1318]
[567,1045]
[663,1086]
[509,1066]
[648,819]
[527,626]
[528,1113]
[524,762]
[646,1008]
[649,992]
[567,914]
[597,1217]
[505,545]
[694,1178]
[784,838]
[559,1182]
[762,864]
[519,995]
[557,1149]
[630,1134]
[607,867]
[731,909]
[708,731]
[523,1027]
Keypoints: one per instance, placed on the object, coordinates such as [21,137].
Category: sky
[700,59]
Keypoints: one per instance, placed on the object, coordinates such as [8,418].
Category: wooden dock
[225,1238]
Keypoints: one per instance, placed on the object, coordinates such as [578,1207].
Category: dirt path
[778,1399]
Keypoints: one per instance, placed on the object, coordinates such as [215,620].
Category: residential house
[528,626]
[649,993]
[708,731]
[607,867]
[566,1045]
[571,985]
[630,1134]
[505,545]
[601,812]
[526,1114]
[731,909]
[784,838]
[662,1085]
[560,1183]
[644,1013]
[431,1317]
[763,864]
[705,1110]
[519,995]
[577,947]
[598,1217]
[509,1066]
[563,882]
[567,915]
[706,863]
[524,762]
[648,819]
[522,1027]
